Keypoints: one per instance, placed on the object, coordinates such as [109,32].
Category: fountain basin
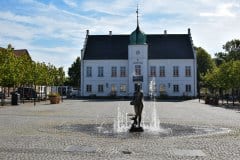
[167,130]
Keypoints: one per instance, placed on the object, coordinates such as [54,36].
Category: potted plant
[54,98]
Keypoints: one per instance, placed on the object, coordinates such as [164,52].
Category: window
[162,71]
[100,88]
[114,71]
[113,88]
[152,71]
[188,88]
[175,71]
[137,70]
[123,88]
[152,89]
[89,88]
[162,88]
[100,71]
[188,71]
[89,71]
[122,71]
[175,88]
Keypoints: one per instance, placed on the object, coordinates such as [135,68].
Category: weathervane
[137,15]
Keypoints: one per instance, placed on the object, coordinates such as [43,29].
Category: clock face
[137,52]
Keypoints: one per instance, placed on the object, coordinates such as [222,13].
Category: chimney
[110,33]
[189,31]
[87,32]
[165,31]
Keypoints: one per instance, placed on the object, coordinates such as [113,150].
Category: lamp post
[62,91]
[35,96]
[61,86]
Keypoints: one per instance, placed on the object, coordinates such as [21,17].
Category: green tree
[15,70]
[212,80]
[204,61]
[226,77]
[24,69]
[3,56]
[18,71]
[44,77]
[61,75]
[52,75]
[2,61]
[204,65]
[232,51]
[74,73]
[8,73]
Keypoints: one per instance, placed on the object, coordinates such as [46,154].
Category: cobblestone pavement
[30,132]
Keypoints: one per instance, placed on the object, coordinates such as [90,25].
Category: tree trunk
[233,99]
[8,92]
[2,99]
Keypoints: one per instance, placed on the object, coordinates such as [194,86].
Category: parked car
[2,95]
[27,93]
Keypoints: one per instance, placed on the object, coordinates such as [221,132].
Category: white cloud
[115,8]
[13,17]
[25,27]
[47,22]
[70,3]
[15,30]
[222,10]
[212,23]
[59,56]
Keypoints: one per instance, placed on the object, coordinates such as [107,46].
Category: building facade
[162,64]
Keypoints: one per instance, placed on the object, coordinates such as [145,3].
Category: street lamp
[61,86]
[62,92]
[35,96]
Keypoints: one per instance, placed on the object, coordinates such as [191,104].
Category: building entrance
[136,85]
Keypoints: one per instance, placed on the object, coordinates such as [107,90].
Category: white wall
[106,80]
[168,80]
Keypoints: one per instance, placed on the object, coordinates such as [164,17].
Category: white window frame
[175,71]
[152,71]
[188,71]
[100,71]
[100,88]
[89,71]
[114,71]
[175,88]
[162,71]
[138,70]
[188,88]
[122,71]
[89,88]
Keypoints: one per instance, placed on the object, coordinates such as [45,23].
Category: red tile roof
[21,52]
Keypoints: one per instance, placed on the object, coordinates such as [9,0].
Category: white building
[114,64]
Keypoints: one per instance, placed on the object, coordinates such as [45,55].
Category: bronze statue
[138,107]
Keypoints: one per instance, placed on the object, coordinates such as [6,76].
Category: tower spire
[137,16]
[137,36]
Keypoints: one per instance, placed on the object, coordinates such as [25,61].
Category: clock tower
[138,61]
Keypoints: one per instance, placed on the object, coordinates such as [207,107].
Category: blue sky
[54,30]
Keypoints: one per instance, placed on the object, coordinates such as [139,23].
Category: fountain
[122,124]
[150,121]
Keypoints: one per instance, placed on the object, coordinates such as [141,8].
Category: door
[136,85]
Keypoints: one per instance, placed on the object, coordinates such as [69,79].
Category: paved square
[69,131]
